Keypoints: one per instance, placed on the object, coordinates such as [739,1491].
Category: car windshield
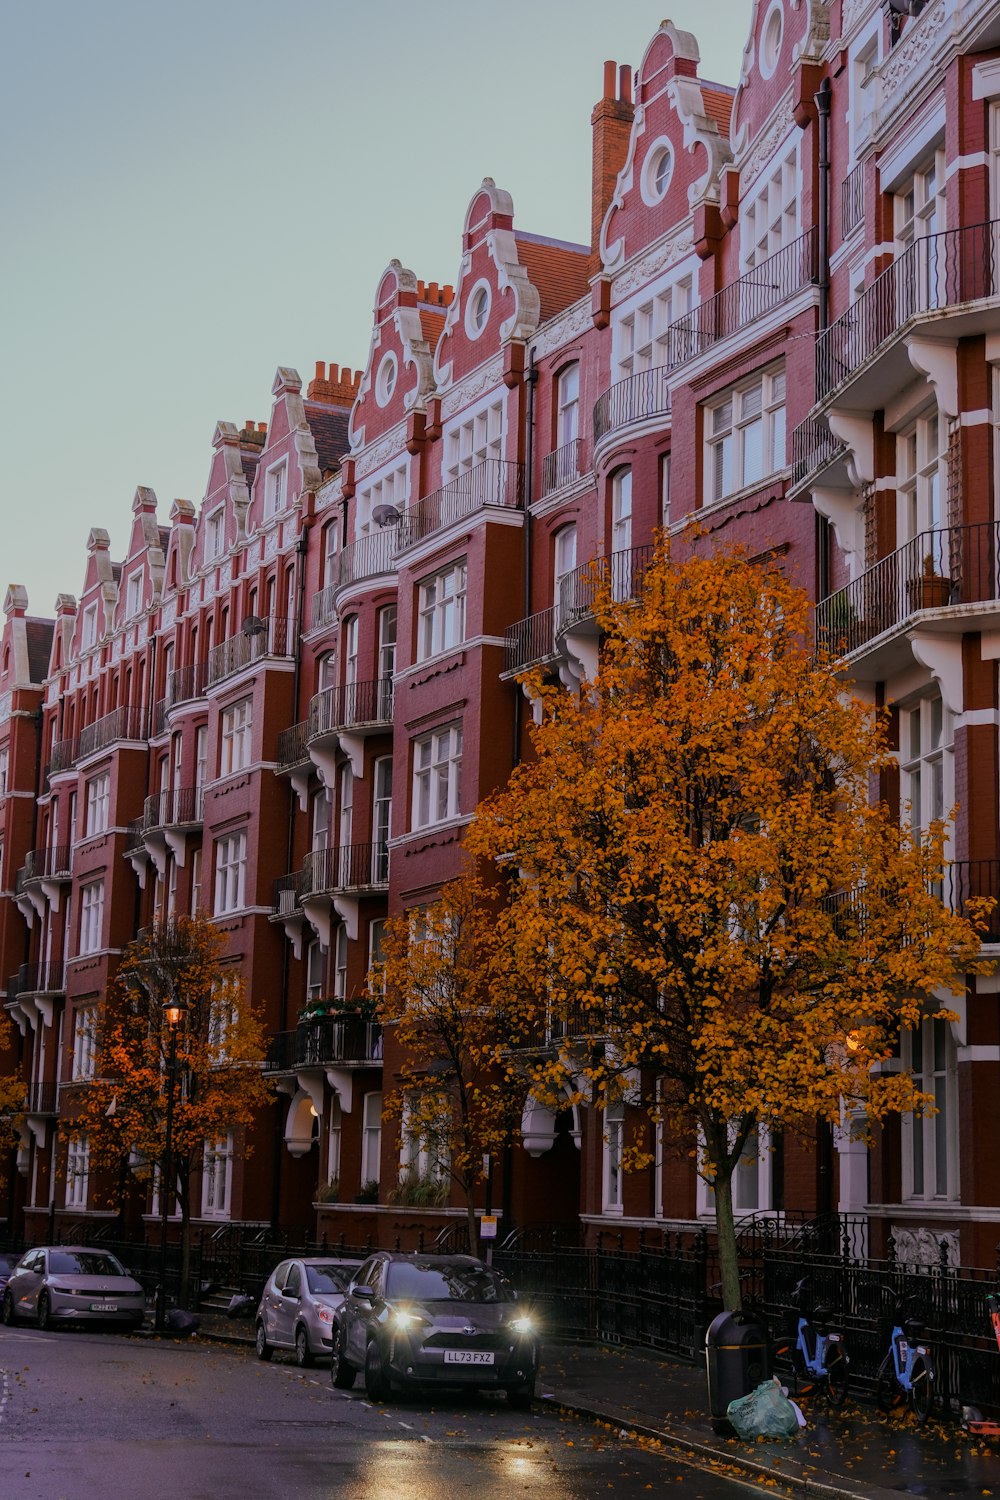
[327,1278]
[84,1263]
[428,1283]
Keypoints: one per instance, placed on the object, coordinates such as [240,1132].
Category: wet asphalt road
[86,1415]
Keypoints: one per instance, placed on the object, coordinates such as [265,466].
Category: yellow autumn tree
[724,926]
[457,1018]
[12,1098]
[217,1084]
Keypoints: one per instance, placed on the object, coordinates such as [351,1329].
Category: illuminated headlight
[62,1291]
[522,1325]
[405,1320]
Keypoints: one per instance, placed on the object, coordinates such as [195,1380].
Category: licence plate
[104,1307]
[833,1338]
[467,1357]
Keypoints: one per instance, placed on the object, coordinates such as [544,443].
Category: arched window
[563,564]
[621,534]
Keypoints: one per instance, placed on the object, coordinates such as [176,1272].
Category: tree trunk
[725,1229]
[470,1210]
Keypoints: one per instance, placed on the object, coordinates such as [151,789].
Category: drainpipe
[531,380]
[823,99]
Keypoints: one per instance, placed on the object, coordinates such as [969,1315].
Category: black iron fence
[331,1039]
[349,706]
[177,807]
[623,572]
[562,466]
[44,864]
[125,723]
[813,445]
[635,399]
[260,636]
[45,978]
[345,867]
[495,481]
[852,200]
[531,641]
[940,270]
[292,746]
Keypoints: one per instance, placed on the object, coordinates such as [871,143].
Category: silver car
[296,1310]
[72,1284]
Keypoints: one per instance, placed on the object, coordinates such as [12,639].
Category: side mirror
[363,1294]
[290,1293]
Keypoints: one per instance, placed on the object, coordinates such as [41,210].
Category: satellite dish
[385,515]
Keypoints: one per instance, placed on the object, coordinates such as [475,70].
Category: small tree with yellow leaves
[457,1018]
[707,890]
[217,1084]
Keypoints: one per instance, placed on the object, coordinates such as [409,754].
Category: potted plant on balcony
[930,589]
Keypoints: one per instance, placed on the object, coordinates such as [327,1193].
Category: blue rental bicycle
[819,1355]
[907,1372]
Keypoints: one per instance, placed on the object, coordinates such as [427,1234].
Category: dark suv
[434,1320]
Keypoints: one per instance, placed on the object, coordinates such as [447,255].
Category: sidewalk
[848,1455]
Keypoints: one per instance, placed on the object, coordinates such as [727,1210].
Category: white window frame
[195,882]
[4,770]
[215,533]
[437,777]
[236,740]
[931,1161]
[639,333]
[84,1043]
[441,601]
[275,488]
[340,962]
[88,627]
[474,437]
[754,1169]
[77,1171]
[217,1178]
[98,790]
[315,971]
[770,219]
[730,419]
[371,1138]
[612,1147]
[926,762]
[391,488]
[568,404]
[133,594]
[91,917]
[230,872]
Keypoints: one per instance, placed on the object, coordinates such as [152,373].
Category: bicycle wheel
[837,1374]
[887,1391]
[921,1390]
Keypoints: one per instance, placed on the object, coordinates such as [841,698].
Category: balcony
[40,880]
[293,760]
[43,1099]
[948,572]
[813,447]
[45,978]
[337,880]
[347,1041]
[345,717]
[563,467]
[852,200]
[623,572]
[261,637]
[531,642]
[167,818]
[494,482]
[370,556]
[953,269]
[286,905]
[184,685]
[965,879]
[125,723]
[638,399]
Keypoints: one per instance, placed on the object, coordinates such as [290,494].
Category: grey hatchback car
[298,1303]
[424,1321]
[72,1284]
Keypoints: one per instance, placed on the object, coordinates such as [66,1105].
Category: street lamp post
[173,1011]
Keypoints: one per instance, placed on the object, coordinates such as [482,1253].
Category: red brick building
[283,705]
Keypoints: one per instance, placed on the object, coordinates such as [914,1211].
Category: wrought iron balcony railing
[813,445]
[941,270]
[292,748]
[492,482]
[852,200]
[762,288]
[563,466]
[956,565]
[175,808]
[633,400]
[183,685]
[43,864]
[346,867]
[966,879]
[350,706]
[261,636]
[125,723]
[367,557]
[133,835]
[342,1039]
[531,641]
[45,978]
[43,1099]
[624,571]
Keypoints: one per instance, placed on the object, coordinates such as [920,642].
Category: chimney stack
[611,122]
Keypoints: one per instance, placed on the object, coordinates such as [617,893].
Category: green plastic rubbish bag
[766,1412]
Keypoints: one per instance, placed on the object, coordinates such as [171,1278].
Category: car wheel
[44,1312]
[377,1382]
[520,1397]
[342,1375]
[303,1354]
[9,1315]
[262,1347]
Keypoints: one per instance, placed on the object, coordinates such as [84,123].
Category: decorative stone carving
[780,125]
[924,1247]
[906,58]
[486,378]
[643,270]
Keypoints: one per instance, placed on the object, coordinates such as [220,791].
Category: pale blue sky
[197,191]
